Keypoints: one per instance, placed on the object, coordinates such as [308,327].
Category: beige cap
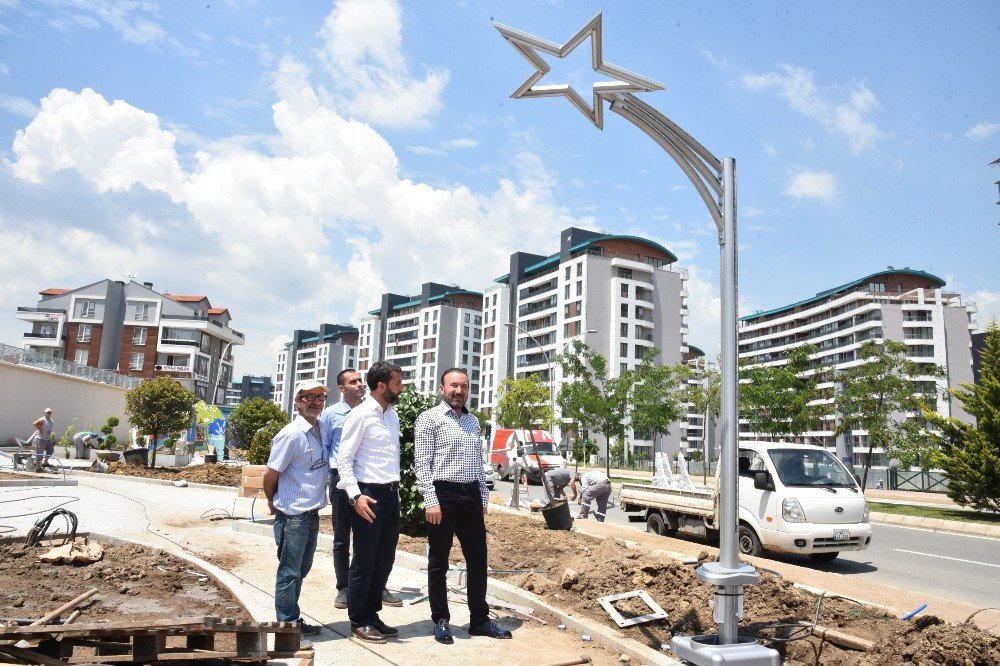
[308,385]
[48,410]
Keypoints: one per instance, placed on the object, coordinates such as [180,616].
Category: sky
[294,161]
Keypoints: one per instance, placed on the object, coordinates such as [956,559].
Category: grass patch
[934,512]
[620,479]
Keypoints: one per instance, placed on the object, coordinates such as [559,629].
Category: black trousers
[374,553]
[341,515]
[461,516]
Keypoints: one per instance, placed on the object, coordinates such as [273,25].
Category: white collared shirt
[369,446]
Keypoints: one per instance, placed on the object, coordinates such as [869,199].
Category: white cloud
[444,147]
[808,184]
[310,223]
[987,306]
[848,117]
[363,55]
[983,130]
[4,69]
[704,307]
[18,106]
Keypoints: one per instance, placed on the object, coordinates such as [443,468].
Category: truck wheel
[655,524]
[823,557]
[749,542]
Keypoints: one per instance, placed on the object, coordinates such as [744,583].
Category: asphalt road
[950,566]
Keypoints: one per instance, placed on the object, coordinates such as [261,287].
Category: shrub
[260,444]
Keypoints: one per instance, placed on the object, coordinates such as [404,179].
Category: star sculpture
[529,45]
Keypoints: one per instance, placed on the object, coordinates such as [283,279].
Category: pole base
[707,651]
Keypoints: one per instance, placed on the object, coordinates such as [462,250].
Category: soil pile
[134,583]
[572,571]
[216,475]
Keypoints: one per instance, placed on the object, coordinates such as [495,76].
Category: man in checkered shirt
[449,466]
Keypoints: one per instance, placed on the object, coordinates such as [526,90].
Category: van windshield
[544,449]
[808,467]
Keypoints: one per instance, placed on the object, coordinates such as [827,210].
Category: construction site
[138,565]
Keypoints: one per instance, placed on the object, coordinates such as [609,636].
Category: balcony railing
[42,336]
[33,359]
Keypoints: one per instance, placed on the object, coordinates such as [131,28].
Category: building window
[465,345]
[142,311]
[434,327]
[465,330]
[83,333]
[579,269]
[579,288]
[468,318]
[568,269]
[624,331]
[81,356]
[435,315]
[624,291]
[623,350]
[135,361]
[139,336]
[567,291]
[427,316]
[88,309]
[624,368]
[624,309]
[465,359]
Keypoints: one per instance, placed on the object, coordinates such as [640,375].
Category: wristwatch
[354,499]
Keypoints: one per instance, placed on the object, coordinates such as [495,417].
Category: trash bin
[557,515]
[136,457]
[211,458]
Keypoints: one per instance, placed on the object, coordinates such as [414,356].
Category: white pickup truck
[793,498]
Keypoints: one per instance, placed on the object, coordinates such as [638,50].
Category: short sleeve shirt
[297,453]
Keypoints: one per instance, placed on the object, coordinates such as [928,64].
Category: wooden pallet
[146,642]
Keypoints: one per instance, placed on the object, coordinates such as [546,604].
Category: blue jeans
[295,537]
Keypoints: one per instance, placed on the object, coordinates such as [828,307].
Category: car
[490,475]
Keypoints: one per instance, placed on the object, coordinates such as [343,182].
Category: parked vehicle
[794,498]
[491,476]
[516,445]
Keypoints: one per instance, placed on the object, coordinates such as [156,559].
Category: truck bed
[698,502]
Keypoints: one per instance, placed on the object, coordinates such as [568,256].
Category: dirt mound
[216,475]
[573,570]
[134,583]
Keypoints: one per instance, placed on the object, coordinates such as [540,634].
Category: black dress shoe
[385,629]
[491,629]
[369,634]
[442,632]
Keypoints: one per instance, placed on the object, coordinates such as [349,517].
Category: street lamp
[715,182]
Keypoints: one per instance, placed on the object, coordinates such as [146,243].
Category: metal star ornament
[529,46]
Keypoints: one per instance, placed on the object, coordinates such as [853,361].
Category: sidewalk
[170,518]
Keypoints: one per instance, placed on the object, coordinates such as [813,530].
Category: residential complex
[619,294]
[903,305]
[135,331]
[319,355]
[251,386]
[425,334]
[697,429]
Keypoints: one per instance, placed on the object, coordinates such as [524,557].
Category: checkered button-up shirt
[448,447]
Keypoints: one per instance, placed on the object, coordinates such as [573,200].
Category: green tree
[249,417]
[878,396]
[108,431]
[593,398]
[774,399]
[970,454]
[411,504]
[159,406]
[260,443]
[656,396]
[701,389]
[524,403]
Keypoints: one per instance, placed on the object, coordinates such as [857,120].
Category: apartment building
[619,294]
[250,386]
[903,305]
[136,331]
[698,429]
[425,334]
[319,355]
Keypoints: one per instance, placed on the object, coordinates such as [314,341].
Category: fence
[33,359]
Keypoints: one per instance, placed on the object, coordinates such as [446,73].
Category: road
[951,566]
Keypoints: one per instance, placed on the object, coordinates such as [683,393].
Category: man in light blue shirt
[295,486]
[352,390]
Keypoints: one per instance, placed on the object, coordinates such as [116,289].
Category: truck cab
[510,446]
[796,498]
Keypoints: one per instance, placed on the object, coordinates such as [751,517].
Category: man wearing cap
[295,487]
[44,445]
[368,462]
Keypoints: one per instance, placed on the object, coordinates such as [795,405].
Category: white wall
[25,392]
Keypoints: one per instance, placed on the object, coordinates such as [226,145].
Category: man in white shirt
[85,440]
[295,486]
[594,484]
[368,462]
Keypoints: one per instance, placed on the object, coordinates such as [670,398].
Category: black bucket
[136,457]
[557,516]
[211,458]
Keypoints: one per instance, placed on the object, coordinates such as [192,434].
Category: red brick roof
[185,298]
[217,311]
[52,291]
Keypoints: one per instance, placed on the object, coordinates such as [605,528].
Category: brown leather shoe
[369,634]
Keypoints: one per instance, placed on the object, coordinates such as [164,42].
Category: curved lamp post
[715,181]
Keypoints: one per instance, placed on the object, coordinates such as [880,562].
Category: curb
[37,483]
[506,592]
[937,524]
[156,482]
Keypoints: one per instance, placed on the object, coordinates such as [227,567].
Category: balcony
[401,337]
[530,309]
[537,289]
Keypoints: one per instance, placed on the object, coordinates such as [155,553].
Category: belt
[454,485]
[392,485]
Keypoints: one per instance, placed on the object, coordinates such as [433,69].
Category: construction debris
[80,550]
[608,603]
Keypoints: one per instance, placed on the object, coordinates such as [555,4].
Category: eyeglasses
[313,397]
